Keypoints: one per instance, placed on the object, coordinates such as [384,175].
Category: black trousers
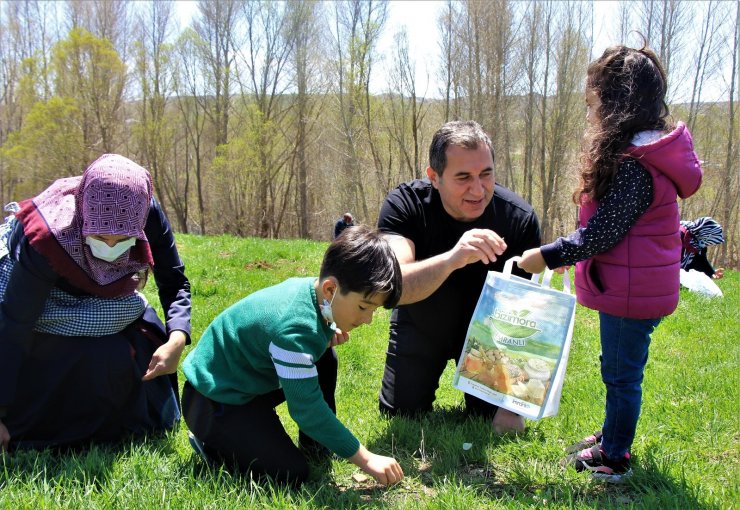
[413,366]
[73,391]
[249,438]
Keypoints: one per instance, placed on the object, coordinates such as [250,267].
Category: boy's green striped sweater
[270,340]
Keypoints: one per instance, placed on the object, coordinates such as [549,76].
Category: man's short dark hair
[467,134]
[362,261]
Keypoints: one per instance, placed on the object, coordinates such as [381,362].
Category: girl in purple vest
[627,249]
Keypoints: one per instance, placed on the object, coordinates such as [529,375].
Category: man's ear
[433,176]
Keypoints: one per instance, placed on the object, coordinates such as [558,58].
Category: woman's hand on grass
[385,470]
[167,357]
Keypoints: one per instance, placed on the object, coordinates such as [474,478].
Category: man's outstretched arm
[421,278]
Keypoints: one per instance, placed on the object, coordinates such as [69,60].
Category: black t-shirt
[414,210]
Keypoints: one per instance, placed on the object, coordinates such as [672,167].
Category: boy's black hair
[362,261]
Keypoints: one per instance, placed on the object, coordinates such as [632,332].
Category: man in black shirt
[448,231]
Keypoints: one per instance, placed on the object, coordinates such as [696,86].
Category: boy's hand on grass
[719,273]
[385,470]
[338,339]
[4,437]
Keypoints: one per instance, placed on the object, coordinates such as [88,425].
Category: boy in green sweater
[275,346]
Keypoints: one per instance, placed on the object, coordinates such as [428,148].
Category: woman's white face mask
[102,251]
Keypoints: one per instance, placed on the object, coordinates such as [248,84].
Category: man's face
[466,185]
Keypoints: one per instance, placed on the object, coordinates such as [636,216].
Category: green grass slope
[686,452]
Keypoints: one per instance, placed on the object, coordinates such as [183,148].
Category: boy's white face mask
[102,251]
[326,311]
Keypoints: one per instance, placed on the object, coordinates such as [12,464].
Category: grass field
[686,454]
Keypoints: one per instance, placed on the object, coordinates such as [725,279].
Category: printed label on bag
[514,345]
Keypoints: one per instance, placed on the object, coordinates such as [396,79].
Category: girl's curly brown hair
[631,85]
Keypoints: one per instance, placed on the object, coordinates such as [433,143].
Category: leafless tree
[407,112]
[26,36]
[503,74]
[625,22]
[662,22]
[88,70]
[11,51]
[266,108]
[730,188]
[704,60]
[154,129]
[547,42]
[216,25]
[446,23]
[270,44]
[306,25]
[564,126]
[531,58]
[191,103]
[106,19]
[358,25]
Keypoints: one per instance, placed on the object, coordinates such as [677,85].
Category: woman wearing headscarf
[83,357]
[696,235]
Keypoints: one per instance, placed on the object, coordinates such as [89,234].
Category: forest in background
[258,118]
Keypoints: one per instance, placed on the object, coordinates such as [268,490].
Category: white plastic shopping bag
[696,281]
[517,345]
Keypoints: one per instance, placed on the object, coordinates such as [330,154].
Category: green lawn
[686,452]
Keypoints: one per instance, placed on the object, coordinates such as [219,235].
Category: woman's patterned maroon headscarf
[111,197]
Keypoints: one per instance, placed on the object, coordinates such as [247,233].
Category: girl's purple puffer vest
[639,277]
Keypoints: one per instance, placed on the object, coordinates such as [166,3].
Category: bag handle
[546,275]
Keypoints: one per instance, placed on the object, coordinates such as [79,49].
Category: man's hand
[167,357]
[385,470]
[421,278]
[477,245]
[719,273]
[532,261]
[4,437]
